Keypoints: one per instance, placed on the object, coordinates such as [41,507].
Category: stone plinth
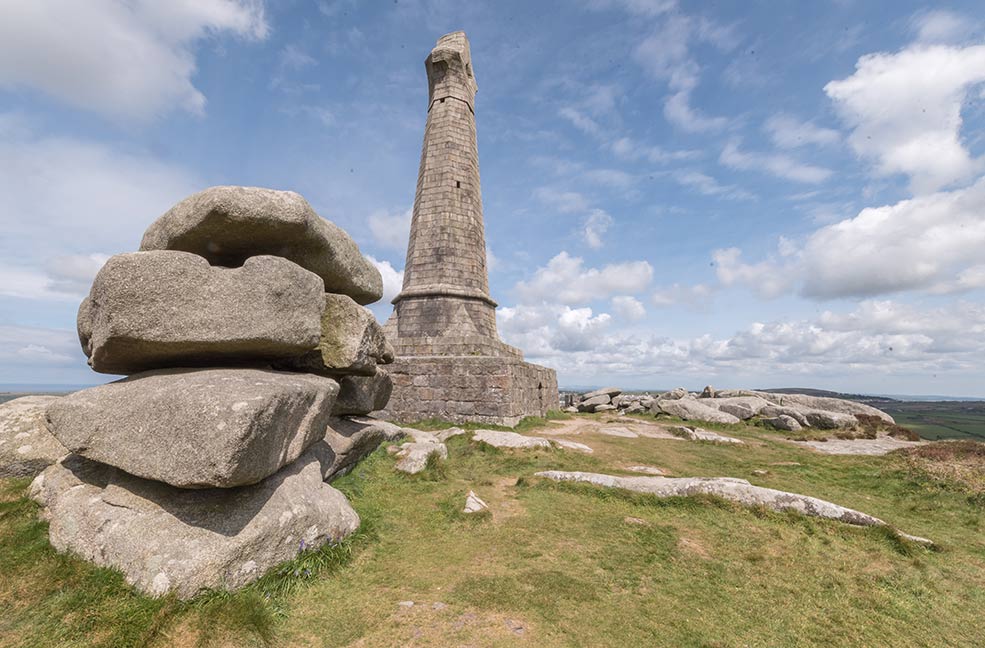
[470,389]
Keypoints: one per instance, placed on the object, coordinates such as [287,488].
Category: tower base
[469,389]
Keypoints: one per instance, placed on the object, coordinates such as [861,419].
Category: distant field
[940,420]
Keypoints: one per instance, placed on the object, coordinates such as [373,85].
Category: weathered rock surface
[783,422]
[473,504]
[565,444]
[707,392]
[363,394]
[514,441]
[150,310]
[675,394]
[869,447]
[605,407]
[742,407]
[589,404]
[444,435]
[737,490]
[197,428]
[774,411]
[690,409]
[510,440]
[829,420]
[347,442]
[699,434]
[26,445]
[351,342]
[226,225]
[803,401]
[169,539]
[610,392]
[413,456]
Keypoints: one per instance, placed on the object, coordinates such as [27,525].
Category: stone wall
[475,389]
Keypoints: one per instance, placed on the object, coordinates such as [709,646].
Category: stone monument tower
[450,361]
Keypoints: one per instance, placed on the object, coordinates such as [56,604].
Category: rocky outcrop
[197,429]
[227,225]
[514,441]
[700,434]
[731,406]
[736,490]
[167,539]
[412,457]
[351,342]
[26,445]
[363,394]
[210,468]
[688,409]
[148,310]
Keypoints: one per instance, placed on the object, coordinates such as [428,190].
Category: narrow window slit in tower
[458,184]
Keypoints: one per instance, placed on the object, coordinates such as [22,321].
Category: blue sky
[746,194]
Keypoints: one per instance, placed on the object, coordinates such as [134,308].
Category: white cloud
[878,338]
[637,7]
[930,244]
[391,230]
[708,185]
[393,280]
[924,243]
[675,294]
[904,109]
[941,26]
[565,280]
[610,178]
[628,149]
[65,204]
[788,132]
[133,60]
[777,164]
[580,121]
[550,328]
[678,111]
[565,202]
[596,225]
[666,55]
[492,261]
[765,278]
[628,308]
[23,347]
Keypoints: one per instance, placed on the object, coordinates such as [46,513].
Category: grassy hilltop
[565,564]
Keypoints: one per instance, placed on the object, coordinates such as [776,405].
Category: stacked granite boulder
[241,328]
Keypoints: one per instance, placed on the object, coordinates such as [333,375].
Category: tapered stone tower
[450,361]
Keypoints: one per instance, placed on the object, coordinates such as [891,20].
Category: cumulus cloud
[929,244]
[924,243]
[393,280]
[566,280]
[677,294]
[789,132]
[904,110]
[549,328]
[877,337]
[391,229]
[596,225]
[133,60]
[777,164]
[628,308]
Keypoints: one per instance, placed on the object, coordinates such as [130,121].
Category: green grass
[565,564]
